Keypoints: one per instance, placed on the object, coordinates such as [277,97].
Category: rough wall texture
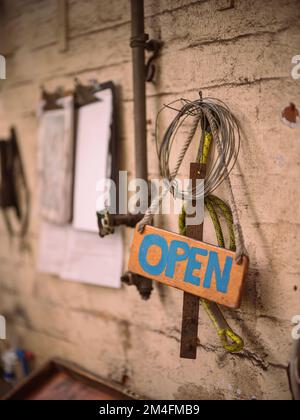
[241,55]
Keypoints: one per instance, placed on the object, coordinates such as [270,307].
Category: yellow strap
[229,339]
[208,138]
[236,345]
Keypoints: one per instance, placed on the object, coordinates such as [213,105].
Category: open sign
[192,266]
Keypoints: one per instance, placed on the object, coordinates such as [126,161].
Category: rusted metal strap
[190,312]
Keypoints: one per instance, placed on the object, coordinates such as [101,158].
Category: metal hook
[155,47]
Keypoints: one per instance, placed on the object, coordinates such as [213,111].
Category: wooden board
[192,266]
[60,380]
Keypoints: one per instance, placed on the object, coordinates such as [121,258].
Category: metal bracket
[50,99]
[155,47]
[107,222]
[85,95]
[151,45]
[143,285]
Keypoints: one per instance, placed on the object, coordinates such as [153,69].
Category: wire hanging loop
[211,115]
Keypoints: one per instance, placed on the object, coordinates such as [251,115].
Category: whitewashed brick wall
[241,55]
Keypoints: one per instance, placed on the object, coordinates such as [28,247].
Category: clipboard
[56,156]
[96,152]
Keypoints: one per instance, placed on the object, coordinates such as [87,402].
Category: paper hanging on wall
[81,256]
[52,246]
[55,162]
[93,160]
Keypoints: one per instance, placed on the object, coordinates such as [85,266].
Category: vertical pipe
[138,41]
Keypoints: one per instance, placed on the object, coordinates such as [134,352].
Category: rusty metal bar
[190,312]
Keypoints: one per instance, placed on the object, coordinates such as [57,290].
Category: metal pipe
[138,43]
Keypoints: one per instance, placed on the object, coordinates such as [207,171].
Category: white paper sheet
[92,159]
[55,162]
[93,260]
[81,256]
[52,248]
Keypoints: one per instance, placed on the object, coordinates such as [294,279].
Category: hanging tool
[14,191]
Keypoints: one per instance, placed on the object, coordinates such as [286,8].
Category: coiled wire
[221,165]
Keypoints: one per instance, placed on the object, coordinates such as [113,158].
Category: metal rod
[190,312]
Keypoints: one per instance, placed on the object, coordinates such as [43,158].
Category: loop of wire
[227,125]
